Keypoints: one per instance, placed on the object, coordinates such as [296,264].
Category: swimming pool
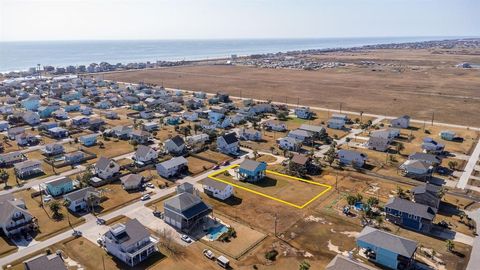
[215,232]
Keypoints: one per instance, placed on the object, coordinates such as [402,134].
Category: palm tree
[55,207]
[304,265]
[66,204]
[4,177]
[450,245]
[400,147]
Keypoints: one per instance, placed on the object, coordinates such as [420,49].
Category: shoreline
[426,43]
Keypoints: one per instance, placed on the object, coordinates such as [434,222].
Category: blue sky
[217,19]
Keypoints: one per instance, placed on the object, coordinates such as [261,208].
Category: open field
[283,188]
[418,83]
[214,156]
[6,246]
[196,165]
[116,197]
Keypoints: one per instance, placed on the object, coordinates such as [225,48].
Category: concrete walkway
[472,163]
[474,262]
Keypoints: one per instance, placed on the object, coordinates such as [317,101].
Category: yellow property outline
[213,176]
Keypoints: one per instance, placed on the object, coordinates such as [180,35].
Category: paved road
[91,222]
[474,262]
[471,164]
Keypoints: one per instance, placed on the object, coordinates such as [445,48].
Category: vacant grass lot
[196,165]
[216,156]
[116,196]
[6,246]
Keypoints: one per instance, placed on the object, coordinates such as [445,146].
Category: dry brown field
[415,82]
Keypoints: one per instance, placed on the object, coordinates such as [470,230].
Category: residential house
[80,120]
[140,136]
[401,122]
[58,132]
[197,139]
[130,242]
[111,114]
[215,116]
[427,194]
[95,124]
[262,108]
[82,199]
[28,168]
[14,216]
[417,169]
[11,158]
[122,132]
[303,113]
[185,211]
[86,110]
[59,186]
[31,103]
[25,139]
[172,167]
[289,143]
[72,108]
[341,262]
[88,140]
[60,114]
[145,154]
[173,107]
[104,105]
[431,146]
[190,116]
[46,111]
[316,131]
[251,170]
[53,149]
[447,135]
[206,125]
[336,123]
[249,134]
[430,159]
[185,187]
[409,214]
[74,157]
[175,145]
[351,157]
[387,249]
[45,261]
[47,125]
[106,167]
[300,135]
[228,144]
[132,181]
[172,120]
[378,144]
[150,126]
[226,123]
[31,118]
[217,189]
[13,132]
[148,114]
[4,126]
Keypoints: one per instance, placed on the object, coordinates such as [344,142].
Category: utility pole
[275,225]
[433,117]
[340,107]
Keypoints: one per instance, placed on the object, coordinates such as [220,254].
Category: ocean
[23,55]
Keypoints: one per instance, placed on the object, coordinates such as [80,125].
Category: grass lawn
[48,226]
[281,187]
[112,148]
[116,196]
[196,165]
[6,246]
[218,157]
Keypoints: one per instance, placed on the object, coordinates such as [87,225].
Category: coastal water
[23,55]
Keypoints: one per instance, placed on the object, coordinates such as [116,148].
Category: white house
[303,112]
[82,199]
[175,145]
[145,154]
[190,116]
[336,123]
[350,157]
[401,122]
[131,242]
[275,125]
[228,144]
[217,189]
[53,149]
[249,134]
[4,125]
[171,167]
[289,143]
[14,218]
[27,168]
[106,167]
[300,134]
[131,181]
[31,118]
[11,158]
[197,139]
[431,146]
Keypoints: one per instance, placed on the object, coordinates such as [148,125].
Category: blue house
[138,107]
[46,111]
[74,95]
[104,104]
[387,249]
[59,186]
[72,108]
[172,120]
[303,113]
[48,125]
[88,140]
[409,214]
[251,170]
[58,132]
[31,103]
[80,120]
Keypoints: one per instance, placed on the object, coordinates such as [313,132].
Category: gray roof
[134,178]
[177,140]
[103,162]
[406,206]
[312,128]
[185,187]
[187,204]
[427,188]
[26,164]
[60,181]
[425,157]
[80,194]
[388,241]
[250,165]
[42,262]
[8,206]
[142,150]
[214,184]
[134,232]
[300,132]
[230,138]
[174,162]
[341,262]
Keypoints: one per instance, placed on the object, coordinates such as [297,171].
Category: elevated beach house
[217,189]
[106,167]
[172,167]
[185,211]
[14,218]
[251,170]
[228,144]
[59,186]
[411,215]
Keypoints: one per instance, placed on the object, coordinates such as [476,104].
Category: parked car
[226,163]
[47,198]
[150,185]
[216,167]
[101,221]
[100,241]
[77,234]
[209,254]
[145,197]
[157,213]
[185,238]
